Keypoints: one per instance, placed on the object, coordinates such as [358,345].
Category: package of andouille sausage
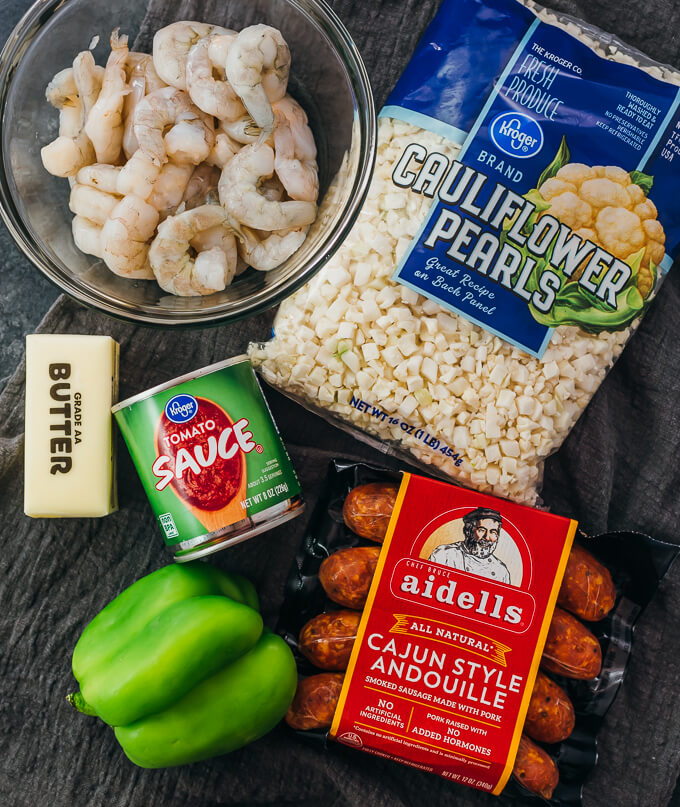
[461,634]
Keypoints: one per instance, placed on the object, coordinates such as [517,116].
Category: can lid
[211,368]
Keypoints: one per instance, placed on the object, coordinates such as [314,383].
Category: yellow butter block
[71,384]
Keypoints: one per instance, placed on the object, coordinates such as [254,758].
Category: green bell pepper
[179,665]
[230,709]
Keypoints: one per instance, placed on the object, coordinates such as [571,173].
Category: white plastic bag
[447,330]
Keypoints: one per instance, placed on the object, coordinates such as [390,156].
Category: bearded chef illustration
[475,553]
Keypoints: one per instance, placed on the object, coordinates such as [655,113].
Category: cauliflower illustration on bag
[610,207]
[604,205]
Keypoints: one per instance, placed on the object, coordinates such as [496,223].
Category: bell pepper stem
[78,702]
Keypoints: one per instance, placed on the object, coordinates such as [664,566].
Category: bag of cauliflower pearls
[522,215]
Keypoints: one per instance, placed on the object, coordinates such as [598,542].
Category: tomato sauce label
[202,461]
[450,640]
[208,452]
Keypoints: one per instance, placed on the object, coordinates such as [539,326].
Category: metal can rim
[295,508]
[173,382]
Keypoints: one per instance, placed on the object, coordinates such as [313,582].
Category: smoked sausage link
[550,716]
[571,649]
[346,575]
[587,587]
[368,508]
[535,769]
[315,702]
[327,639]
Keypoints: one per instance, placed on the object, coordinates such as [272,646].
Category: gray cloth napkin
[618,469]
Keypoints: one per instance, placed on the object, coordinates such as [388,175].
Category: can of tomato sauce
[210,458]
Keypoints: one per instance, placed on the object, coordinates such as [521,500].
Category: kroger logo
[516,134]
[181,408]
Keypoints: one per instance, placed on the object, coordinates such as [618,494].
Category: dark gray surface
[618,468]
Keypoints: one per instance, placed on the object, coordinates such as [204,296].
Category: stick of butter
[71,384]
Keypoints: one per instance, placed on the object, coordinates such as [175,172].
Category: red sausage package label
[450,640]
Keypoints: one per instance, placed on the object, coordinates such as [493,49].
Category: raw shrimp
[153,80]
[134,60]
[243,130]
[137,86]
[272,189]
[72,150]
[70,125]
[213,95]
[295,151]
[269,252]
[172,44]
[243,202]
[100,176]
[62,90]
[141,64]
[169,188]
[61,151]
[143,79]
[138,176]
[223,150]
[185,143]
[222,237]
[65,155]
[125,237]
[258,64]
[89,78]
[104,124]
[87,236]
[192,135]
[202,185]
[91,203]
[62,93]
[176,271]
[70,121]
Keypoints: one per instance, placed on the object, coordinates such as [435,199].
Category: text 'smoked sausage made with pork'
[317,698]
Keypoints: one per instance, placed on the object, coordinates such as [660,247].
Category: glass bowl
[327,77]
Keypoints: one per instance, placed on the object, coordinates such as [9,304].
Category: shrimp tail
[118,41]
[236,227]
[263,137]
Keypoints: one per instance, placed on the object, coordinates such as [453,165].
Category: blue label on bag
[562,206]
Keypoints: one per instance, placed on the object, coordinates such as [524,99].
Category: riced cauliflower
[373,354]
[398,366]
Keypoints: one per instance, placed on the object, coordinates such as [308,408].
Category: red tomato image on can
[202,458]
